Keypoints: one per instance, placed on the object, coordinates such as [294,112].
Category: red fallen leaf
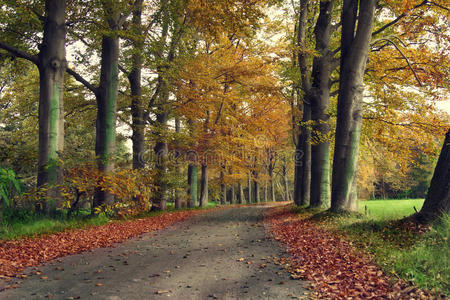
[27,252]
[331,264]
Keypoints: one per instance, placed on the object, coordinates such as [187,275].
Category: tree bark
[161,151]
[437,201]
[134,77]
[241,196]
[204,187]
[193,185]
[106,108]
[354,52]
[303,147]
[52,66]
[320,100]
[233,194]
[303,161]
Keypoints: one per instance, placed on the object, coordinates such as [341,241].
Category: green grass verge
[36,226]
[421,258]
[390,209]
[32,226]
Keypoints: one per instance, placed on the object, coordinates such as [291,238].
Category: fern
[9,184]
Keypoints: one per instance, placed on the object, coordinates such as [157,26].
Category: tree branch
[81,80]
[404,56]
[19,53]
[398,18]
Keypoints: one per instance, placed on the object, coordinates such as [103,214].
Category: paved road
[218,255]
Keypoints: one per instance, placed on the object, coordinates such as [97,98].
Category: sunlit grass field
[389,209]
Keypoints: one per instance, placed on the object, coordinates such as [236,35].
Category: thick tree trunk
[233,194]
[137,108]
[354,52]
[204,187]
[437,201]
[303,161]
[106,111]
[241,196]
[303,148]
[52,66]
[193,185]
[161,151]
[320,99]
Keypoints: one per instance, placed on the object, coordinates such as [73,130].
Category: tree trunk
[52,66]
[179,203]
[303,148]
[193,185]
[249,184]
[137,108]
[266,192]
[241,196]
[320,100]
[161,151]
[256,194]
[354,52]
[204,187]
[437,201]
[286,183]
[106,111]
[233,194]
[303,161]
[223,188]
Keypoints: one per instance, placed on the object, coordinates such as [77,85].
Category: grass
[390,209]
[35,226]
[32,226]
[400,250]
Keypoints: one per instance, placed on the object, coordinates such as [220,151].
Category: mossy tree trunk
[106,96]
[192,185]
[320,100]
[355,44]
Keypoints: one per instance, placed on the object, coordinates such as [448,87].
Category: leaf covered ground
[19,254]
[331,264]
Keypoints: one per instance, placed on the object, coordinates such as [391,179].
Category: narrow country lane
[223,254]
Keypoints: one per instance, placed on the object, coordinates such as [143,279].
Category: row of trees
[188,77]
[330,55]
[203,86]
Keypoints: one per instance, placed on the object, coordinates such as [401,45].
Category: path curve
[222,254]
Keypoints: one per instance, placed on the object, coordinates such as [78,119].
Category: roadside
[223,254]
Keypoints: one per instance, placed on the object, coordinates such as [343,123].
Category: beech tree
[51,62]
[106,92]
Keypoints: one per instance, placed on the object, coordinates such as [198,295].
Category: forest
[128,109]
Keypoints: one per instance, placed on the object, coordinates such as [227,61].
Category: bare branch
[81,80]
[19,53]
